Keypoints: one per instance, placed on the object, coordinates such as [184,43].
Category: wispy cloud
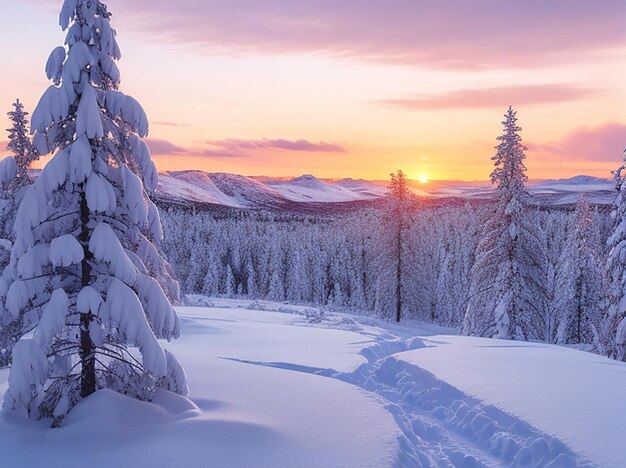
[170,124]
[497,97]
[444,34]
[279,144]
[240,148]
[164,147]
[602,143]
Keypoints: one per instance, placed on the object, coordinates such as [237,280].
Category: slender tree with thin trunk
[393,249]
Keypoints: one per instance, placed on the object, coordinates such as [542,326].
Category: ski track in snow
[442,426]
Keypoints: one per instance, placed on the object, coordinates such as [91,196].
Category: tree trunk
[87,348]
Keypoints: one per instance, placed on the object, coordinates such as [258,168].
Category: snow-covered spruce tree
[391,286]
[613,339]
[15,168]
[456,239]
[583,294]
[506,298]
[424,265]
[557,281]
[24,152]
[86,272]
[14,180]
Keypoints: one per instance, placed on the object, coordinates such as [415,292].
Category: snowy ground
[581,397]
[271,389]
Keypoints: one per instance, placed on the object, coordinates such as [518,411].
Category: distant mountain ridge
[237,191]
[576,180]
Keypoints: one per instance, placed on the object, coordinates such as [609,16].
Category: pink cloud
[170,124]
[164,147]
[239,148]
[603,143]
[280,144]
[498,97]
[444,33]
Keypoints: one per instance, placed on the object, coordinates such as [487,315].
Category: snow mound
[109,412]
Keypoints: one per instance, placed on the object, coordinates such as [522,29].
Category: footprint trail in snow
[441,426]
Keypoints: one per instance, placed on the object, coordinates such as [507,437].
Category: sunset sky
[355,88]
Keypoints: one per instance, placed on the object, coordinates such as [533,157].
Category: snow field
[269,388]
[576,395]
[239,415]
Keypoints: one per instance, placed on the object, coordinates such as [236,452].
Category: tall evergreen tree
[86,273]
[24,152]
[14,180]
[392,256]
[583,290]
[14,172]
[613,339]
[458,235]
[506,295]
[554,229]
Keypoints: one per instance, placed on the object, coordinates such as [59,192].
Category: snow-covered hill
[218,189]
[364,187]
[566,191]
[552,191]
[246,192]
[359,393]
[196,188]
[308,188]
[237,191]
[579,182]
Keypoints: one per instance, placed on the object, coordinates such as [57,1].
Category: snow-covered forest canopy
[341,262]
[509,268]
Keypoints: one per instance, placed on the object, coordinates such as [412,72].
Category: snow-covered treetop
[85,75]
[618,174]
[20,145]
[398,189]
[510,172]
